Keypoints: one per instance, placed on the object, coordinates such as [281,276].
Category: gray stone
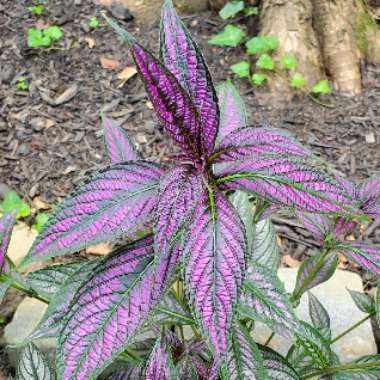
[25,320]
[343,313]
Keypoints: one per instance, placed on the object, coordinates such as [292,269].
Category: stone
[25,320]
[343,313]
[21,240]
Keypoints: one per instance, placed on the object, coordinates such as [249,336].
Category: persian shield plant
[197,257]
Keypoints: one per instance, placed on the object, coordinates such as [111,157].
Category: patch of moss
[361,31]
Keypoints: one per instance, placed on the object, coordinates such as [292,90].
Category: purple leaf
[277,367]
[160,364]
[342,227]
[264,299]
[59,305]
[244,360]
[325,271]
[285,181]
[184,60]
[368,194]
[249,142]
[178,193]
[172,104]
[319,225]
[232,110]
[214,250]
[119,146]
[115,201]
[133,373]
[111,307]
[6,225]
[366,255]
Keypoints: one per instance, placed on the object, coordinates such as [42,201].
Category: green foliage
[265,62]
[12,201]
[249,11]
[322,87]
[231,9]
[43,38]
[241,69]
[261,44]
[231,36]
[40,220]
[37,9]
[258,79]
[93,22]
[297,81]
[21,84]
[289,62]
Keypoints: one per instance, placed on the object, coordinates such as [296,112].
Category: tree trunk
[291,23]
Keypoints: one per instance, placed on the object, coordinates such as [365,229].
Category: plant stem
[19,286]
[269,338]
[353,327]
[341,368]
[297,294]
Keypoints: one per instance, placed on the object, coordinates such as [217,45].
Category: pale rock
[25,320]
[343,313]
[21,240]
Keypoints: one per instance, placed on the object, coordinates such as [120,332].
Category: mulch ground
[46,148]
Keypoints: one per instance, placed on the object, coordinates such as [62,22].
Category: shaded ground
[45,150]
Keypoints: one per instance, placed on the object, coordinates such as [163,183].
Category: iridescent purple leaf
[133,373]
[326,269]
[160,364]
[232,110]
[244,360]
[264,247]
[319,316]
[115,201]
[119,146]
[249,142]
[363,301]
[111,307]
[368,194]
[342,227]
[191,367]
[173,105]
[178,193]
[214,251]
[33,365]
[319,225]
[59,305]
[6,225]
[365,254]
[264,299]
[277,366]
[184,60]
[47,281]
[285,181]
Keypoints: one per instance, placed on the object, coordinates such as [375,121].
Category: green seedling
[37,9]
[231,9]
[262,44]
[322,87]
[21,84]
[258,79]
[241,69]
[297,81]
[288,62]
[12,201]
[265,62]
[231,36]
[44,38]
[40,220]
[94,22]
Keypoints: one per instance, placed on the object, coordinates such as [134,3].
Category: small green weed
[37,9]
[44,38]
[93,22]
[12,201]
[21,84]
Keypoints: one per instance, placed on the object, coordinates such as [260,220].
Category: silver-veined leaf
[115,201]
[319,316]
[47,281]
[264,247]
[112,306]
[278,367]
[264,299]
[370,372]
[214,252]
[244,360]
[33,365]
[363,301]
[6,225]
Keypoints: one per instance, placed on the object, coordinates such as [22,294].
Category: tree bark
[291,23]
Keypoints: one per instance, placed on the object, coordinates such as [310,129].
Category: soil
[46,148]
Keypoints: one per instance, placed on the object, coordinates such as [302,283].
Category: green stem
[19,286]
[341,368]
[297,294]
[353,327]
[269,338]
